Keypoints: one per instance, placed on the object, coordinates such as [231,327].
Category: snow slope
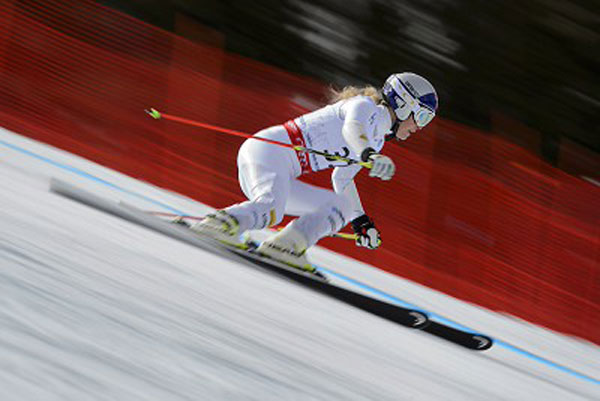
[94,307]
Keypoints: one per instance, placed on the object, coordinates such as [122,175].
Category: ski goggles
[404,104]
[423,116]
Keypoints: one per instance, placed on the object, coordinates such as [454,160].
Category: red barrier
[469,214]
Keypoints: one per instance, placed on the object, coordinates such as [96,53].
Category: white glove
[383,167]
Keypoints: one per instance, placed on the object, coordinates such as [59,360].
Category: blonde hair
[351,91]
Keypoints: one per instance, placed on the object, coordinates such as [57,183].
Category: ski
[174,216]
[406,317]
[411,318]
[472,341]
[466,339]
[320,282]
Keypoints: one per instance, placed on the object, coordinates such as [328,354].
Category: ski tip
[153,113]
[420,319]
[481,342]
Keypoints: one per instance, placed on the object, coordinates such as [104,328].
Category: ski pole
[190,217]
[157,115]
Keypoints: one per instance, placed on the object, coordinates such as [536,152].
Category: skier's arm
[342,179]
[367,234]
[359,115]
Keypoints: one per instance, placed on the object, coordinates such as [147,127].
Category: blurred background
[497,202]
[527,71]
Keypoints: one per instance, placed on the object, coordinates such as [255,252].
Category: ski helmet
[409,93]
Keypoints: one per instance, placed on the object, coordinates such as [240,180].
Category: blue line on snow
[349,280]
[546,362]
[395,300]
[451,323]
[87,175]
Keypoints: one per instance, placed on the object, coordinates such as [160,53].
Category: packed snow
[97,308]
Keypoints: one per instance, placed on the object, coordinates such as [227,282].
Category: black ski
[473,341]
[406,317]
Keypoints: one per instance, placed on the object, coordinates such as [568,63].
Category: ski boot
[288,246]
[220,226]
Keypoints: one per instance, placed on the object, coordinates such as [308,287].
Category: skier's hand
[383,167]
[366,234]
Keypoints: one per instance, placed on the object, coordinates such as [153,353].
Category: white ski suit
[268,173]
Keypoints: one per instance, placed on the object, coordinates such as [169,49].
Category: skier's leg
[267,192]
[322,211]
[265,172]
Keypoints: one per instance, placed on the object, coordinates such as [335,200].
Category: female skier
[356,125]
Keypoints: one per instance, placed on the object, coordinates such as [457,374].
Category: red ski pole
[157,115]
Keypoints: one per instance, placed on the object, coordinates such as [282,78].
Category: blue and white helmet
[409,93]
